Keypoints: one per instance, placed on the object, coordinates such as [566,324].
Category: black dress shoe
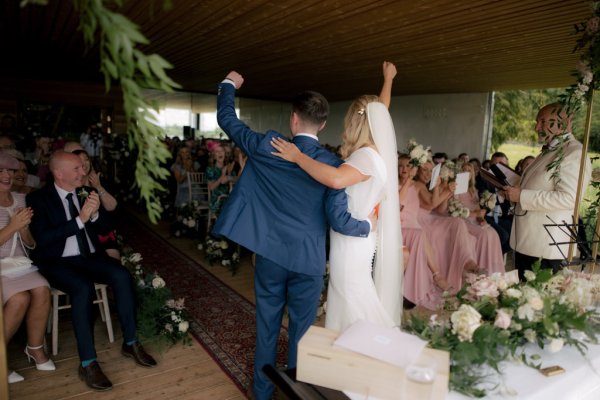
[136,351]
[93,376]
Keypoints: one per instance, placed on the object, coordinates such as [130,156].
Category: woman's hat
[8,162]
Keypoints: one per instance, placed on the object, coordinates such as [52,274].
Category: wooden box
[321,363]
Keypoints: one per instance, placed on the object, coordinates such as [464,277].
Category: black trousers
[524,262]
[76,277]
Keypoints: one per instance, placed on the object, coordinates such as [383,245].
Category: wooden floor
[182,372]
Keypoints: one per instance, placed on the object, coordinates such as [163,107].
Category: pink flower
[503,319]
[484,287]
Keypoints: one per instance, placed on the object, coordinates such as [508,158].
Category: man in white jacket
[546,193]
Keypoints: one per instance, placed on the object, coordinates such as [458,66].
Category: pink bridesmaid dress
[419,286]
[452,245]
[487,244]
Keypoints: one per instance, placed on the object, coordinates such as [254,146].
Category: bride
[368,174]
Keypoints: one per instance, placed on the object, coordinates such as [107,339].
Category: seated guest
[439,158]
[64,226]
[27,295]
[219,176]
[421,275]
[183,164]
[463,158]
[523,164]
[487,244]
[454,246]
[108,239]
[19,184]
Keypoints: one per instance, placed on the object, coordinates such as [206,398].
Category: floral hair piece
[212,145]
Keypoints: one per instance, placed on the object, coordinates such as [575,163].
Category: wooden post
[3,366]
[584,149]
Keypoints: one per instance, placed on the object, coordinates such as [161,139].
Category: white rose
[503,319]
[536,303]
[512,277]
[226,262]
[200,247]
[141,283]
[484,287]
[464,322]
[526,312]
[224,245]
[530,335]
[556,345]
[135,258]
[158,282]
[529,275]
[512,292]
[191,223]
[183,326]
[169,327]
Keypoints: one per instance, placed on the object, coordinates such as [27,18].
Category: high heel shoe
[45,366]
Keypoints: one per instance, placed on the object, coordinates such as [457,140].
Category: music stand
[571,230]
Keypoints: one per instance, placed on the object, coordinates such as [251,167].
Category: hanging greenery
[121,61]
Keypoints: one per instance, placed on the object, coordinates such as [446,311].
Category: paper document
[462,182]
[386,344]
[435,173]
[512,177]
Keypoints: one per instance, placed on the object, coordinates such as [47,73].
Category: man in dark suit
[281,213]
[69,255]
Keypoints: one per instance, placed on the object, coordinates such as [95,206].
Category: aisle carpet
[223,322]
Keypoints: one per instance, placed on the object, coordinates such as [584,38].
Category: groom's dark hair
[311,106]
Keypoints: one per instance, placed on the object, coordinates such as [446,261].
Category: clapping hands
[22,218]
[90,207]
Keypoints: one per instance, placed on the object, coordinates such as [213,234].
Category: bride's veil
[389,269]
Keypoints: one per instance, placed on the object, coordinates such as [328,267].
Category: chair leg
[100,302]
[109,327]
[55,324]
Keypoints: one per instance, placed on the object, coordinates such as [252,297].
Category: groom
[279,212]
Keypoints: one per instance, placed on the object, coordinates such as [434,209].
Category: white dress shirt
[71,245]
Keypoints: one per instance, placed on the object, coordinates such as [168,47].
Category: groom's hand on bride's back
[373,219]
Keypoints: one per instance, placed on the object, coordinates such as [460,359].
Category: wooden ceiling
[333,46]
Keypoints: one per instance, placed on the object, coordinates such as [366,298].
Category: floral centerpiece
[491,318]
[419,155]
[221,252]
[161,319]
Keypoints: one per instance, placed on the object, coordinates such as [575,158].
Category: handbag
[15,266]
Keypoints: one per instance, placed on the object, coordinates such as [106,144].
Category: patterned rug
[223,322]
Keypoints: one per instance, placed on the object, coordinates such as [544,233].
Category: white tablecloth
[580,381]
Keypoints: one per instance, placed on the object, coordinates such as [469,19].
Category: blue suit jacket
[276,209]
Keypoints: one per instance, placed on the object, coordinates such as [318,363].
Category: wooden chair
[101,300]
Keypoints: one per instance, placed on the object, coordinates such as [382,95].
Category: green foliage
[123,62]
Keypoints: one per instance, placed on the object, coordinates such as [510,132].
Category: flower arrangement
[492,317]
[161,319]
[488,200]
[221,252]
[419,155]
[457,209]
[448,171]
[187,221]
[589,62]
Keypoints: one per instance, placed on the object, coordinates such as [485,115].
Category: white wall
[450,123]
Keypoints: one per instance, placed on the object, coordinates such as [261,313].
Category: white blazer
[542,201]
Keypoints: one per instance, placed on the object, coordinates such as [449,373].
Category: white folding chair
[101,300]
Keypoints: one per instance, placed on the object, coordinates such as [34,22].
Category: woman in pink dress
[487,245]
[453,247]
[423,282]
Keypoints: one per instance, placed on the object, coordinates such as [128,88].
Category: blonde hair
[357,132]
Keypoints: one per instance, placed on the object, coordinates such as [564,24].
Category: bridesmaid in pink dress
[423,282]
[487,245]
[454,247]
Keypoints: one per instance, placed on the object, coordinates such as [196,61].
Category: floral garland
[559,145]
[492,317]
[419,155]
[161,320]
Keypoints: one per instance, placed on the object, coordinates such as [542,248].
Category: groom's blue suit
[279,212]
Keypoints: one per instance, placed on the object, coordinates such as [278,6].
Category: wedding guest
[108,236]
[41,157]
[463,157]
[454,246]
[71,146]
[26,295]
[439,158]
[546,193]
[20,179]
[219,176]
[273,208]
[64,226]
[503,219]
[423,281]
[183,164]
[487,243]
[523,164]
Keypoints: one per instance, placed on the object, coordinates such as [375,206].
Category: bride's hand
[286,150]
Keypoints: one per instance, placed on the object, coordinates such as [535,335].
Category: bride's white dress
[351,295]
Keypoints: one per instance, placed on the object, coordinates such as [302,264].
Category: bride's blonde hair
[357,132]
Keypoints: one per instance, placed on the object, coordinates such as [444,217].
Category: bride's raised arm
[344,175]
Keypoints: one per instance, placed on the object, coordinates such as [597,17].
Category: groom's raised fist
[236,78]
